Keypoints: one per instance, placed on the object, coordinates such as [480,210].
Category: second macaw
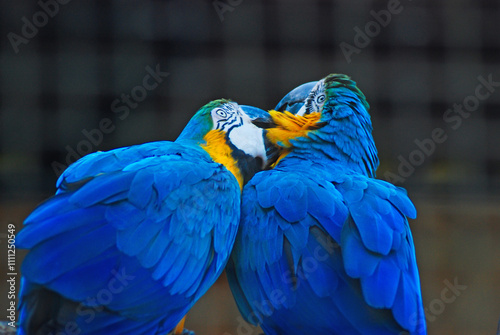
[323,247]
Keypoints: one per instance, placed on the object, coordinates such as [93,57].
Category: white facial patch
[249,139]
[226,116]
[242,133]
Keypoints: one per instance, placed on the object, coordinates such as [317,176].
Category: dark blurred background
[72,81]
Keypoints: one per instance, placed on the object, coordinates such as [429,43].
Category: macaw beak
[259,117]
[294,100]
[263,119]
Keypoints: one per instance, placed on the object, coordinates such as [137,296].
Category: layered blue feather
[331,267]
[132,239]
[323,247]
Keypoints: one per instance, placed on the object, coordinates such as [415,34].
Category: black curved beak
[263,119]
[294,100]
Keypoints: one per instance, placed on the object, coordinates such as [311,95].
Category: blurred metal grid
[427,57]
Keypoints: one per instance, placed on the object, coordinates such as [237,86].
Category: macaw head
[234,136]
[329,116]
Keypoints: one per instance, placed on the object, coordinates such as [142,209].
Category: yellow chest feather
[288,127]
[217,147]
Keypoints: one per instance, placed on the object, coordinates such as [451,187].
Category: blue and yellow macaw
[323,247]
[135,236]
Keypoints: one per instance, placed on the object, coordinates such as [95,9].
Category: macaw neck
[217,145]
[355,154]
[322,168]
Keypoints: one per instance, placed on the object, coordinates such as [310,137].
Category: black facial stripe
[234,120]
[234,124]
[311,105]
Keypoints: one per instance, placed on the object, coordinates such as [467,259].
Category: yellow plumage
[288,127]
[216,146]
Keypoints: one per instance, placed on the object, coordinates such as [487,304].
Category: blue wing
[132,238]
[378,249]
[322,253]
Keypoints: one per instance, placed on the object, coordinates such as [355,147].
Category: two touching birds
[287,199]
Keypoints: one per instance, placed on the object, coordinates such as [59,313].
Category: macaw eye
[222,113]
[320,98]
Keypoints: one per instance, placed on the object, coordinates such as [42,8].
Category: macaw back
[323,247]
[322,252]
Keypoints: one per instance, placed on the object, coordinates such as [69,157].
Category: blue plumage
[323,247]
[135,236]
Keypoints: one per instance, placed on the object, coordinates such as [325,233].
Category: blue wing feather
[49,227]
[379,289]
[93,279]
[394,282]
[358,261]
[148,211]
[100,188]
[343,259]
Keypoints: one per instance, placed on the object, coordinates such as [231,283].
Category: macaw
[135,236]
[323,247]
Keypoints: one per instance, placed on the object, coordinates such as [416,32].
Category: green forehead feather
[201,123]
[213,104]
[334,82]
[204,112]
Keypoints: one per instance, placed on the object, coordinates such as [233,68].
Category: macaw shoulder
[364,195]
[157,179]
[294,199]
[156,202]
[301,192]
[103,162]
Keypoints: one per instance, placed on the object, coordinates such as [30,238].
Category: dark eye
[320,98]
[221,113]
